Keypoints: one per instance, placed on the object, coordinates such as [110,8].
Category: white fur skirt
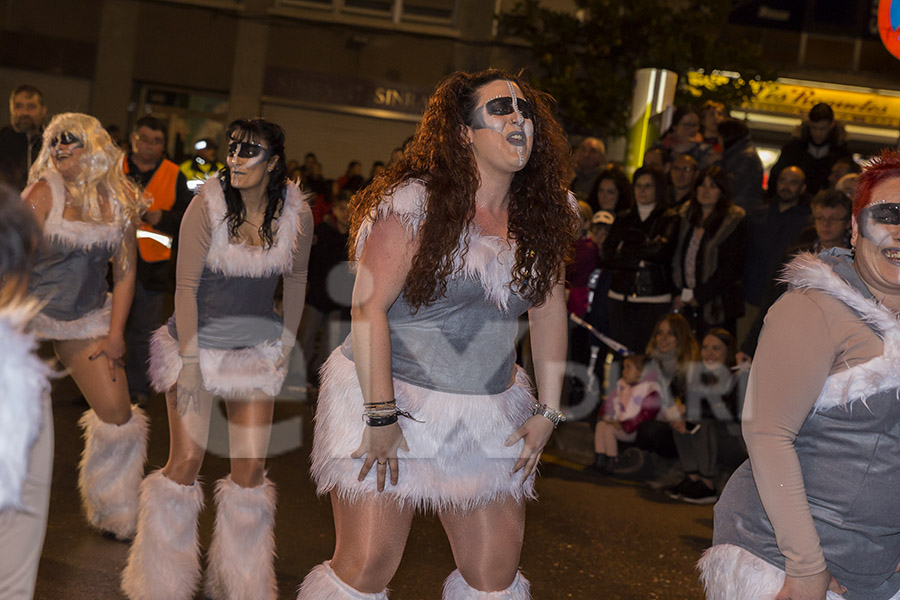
[94,324]
[457,457]
[729,572]
[243,373]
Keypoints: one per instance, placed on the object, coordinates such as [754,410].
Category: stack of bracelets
[379,414]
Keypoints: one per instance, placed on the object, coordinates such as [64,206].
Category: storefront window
[399,11]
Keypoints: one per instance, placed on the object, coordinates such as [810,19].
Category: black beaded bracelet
[381,421]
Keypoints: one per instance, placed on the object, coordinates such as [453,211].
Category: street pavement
[586,538]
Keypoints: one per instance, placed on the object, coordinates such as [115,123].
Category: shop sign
[792,99]
[343,92]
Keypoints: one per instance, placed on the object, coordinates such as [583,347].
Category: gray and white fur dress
[240,340]
[849,453]
[454,370]
[239,334]
[68,278]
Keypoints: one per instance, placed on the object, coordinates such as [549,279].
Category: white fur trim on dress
[730,572]
[456,588]
[111,469]
[94,324]
[226,373]
[23,386]
[867,379]
[243,260]
[164,559]
[242,553]
[488,260]
[79,234]
[457,457]
[322,583]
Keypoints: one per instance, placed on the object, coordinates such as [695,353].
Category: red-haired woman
[423,406]
[814,511]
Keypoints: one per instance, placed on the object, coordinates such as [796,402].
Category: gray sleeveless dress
[69,272]
[238,330]
[849,452]
[454,369]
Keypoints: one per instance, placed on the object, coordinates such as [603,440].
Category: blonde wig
[101,169]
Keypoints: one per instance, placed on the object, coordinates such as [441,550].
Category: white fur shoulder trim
[407,203]
[242,260]
[78,234]
[23,385]
[867,379]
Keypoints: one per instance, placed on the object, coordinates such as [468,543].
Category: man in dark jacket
[821,143]
[20,142]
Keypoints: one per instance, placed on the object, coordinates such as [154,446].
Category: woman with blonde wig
[87,210]
[423,407]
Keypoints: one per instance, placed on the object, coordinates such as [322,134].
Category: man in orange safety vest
[165,187]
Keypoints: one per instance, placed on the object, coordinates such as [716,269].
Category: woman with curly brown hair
[466,232]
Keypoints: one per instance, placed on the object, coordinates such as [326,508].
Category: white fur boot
[456,588]
[110,472]
[164,559]
[322,583]
[242,553]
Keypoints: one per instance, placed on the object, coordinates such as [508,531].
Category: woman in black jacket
[639,252]
[710,254]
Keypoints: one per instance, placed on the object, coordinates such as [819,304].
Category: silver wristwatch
[553,415]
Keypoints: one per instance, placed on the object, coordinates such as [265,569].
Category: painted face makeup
[67,149]
[247,162]
[877,237]
[494,115]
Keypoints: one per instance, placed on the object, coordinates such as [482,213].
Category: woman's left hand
[113,348]
[535,431]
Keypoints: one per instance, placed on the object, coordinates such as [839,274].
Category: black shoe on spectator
[630,462]
[698,493]
[677,490]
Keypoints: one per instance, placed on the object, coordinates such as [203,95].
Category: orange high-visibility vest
[160,191]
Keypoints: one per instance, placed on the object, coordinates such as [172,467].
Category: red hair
[884,166]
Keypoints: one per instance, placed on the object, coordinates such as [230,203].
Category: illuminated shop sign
[789,98]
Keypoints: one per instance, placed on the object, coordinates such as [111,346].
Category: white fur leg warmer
[322,583]
[111,469]
[241,558]
[729,572]
[456,588]
[164,559]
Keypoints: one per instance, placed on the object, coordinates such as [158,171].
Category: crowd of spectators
[689,258]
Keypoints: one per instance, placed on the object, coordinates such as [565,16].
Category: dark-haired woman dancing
[238,237]
[423,406]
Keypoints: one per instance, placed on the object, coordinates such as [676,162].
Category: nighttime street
[583,539]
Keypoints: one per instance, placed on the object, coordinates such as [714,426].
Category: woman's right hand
[811,587]
[187,388]
[380,445]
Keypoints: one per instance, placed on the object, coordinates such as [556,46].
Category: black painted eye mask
[504,106]
[65,138]
[887,213]
[245,149]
